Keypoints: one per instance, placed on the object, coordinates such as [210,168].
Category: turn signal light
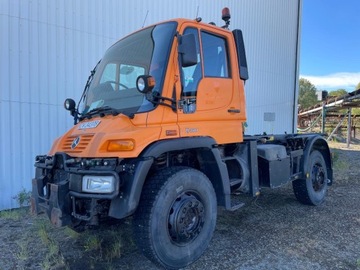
[121,145]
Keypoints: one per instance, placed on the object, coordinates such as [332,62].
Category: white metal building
[48,47]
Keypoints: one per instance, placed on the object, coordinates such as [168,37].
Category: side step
[236,206]
[235,181]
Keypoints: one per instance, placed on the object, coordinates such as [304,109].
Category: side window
[193,74]
[215,56]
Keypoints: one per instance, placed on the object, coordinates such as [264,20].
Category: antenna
[197,19]
[147,12]
[197,12]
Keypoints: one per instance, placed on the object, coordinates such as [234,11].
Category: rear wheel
[312,189]
[176,217]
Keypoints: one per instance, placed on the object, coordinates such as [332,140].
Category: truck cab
[189,96]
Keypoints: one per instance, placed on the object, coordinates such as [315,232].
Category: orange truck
[159,135]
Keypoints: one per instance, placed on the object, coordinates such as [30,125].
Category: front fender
[127,201]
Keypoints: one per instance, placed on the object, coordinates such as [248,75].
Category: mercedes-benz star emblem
[75,142]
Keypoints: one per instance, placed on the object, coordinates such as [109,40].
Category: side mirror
[240,48]
[187,50]
[145,83]
[69,105]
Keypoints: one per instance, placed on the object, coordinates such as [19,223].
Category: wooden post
[323,118]
[348,139]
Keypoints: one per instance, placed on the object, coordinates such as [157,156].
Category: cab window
[216,62]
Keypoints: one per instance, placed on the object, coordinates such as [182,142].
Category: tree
[338,93]
[307,94]
[357,86]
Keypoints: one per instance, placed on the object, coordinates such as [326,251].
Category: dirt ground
[273,231]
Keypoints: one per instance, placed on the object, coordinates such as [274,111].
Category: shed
[48,48]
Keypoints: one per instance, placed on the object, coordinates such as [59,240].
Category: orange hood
[91,138]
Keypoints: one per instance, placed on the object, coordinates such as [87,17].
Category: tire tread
[142,218]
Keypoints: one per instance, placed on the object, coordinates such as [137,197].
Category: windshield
[114,82]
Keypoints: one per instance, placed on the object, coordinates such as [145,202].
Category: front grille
[68,146]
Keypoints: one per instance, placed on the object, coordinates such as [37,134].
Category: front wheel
[176,217]
[312,189]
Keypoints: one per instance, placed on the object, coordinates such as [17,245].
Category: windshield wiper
[102,111]
[77,115]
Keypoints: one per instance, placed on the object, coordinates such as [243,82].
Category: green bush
[23,197]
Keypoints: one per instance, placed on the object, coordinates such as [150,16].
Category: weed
[42,230]
[114,250]
[45,265]
[53,248]
[92,242]
[53,259]
[71,233]
[334,155]
[11,214]
[23,254]
[14,214]
[23,197]
[358,263]
[339,163]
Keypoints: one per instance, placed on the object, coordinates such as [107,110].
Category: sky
[330,44]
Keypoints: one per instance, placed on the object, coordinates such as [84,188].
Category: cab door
[207,107]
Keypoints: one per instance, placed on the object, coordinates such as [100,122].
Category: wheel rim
[186,218]
[318,177]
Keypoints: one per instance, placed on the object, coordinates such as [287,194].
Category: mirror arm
[75,113]
[159,100]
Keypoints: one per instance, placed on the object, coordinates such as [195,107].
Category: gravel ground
[273,231]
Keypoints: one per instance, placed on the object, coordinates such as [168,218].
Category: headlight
[98,184]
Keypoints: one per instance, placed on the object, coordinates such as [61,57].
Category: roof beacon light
[226,17]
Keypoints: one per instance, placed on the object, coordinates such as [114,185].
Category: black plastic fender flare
[126,203]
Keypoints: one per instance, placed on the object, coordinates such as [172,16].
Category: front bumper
[57,189]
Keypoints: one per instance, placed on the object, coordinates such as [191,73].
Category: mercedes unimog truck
[159,135]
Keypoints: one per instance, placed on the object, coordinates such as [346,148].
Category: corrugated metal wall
[47,49]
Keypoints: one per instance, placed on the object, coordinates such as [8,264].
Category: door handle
[233,110]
